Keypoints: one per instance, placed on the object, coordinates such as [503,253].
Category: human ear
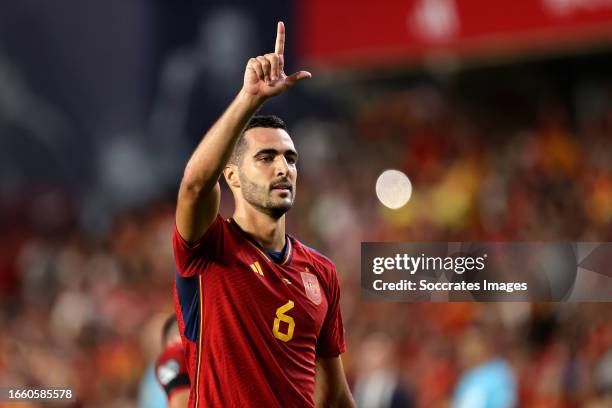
[230,172]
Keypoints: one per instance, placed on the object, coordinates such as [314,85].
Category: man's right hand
[264,75]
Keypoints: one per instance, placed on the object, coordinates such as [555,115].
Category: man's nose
[282,167]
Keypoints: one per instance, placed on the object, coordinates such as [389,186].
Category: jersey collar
[283,257]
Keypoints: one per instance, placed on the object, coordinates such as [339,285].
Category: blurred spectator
[488,380]
[378,384]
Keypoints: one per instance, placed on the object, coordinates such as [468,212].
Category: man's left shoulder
[316,258]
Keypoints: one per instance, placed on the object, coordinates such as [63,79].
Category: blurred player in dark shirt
[258,311]
[171,367]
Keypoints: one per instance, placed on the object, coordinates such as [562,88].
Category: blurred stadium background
[499,112]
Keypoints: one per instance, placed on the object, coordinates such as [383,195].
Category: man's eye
[267,159]
[291,160]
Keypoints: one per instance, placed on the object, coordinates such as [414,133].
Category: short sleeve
[331,337]
[171,369]
[193,258]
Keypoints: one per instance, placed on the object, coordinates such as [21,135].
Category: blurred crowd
[84,310]
[494,170]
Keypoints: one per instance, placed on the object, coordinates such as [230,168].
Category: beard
[262,198]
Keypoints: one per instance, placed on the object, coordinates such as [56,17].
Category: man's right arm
[199,192]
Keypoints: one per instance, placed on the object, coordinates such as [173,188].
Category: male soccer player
[171,367]
[258,311]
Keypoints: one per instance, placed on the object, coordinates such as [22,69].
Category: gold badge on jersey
[311,286]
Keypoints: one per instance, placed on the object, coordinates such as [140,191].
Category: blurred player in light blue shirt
[488,381]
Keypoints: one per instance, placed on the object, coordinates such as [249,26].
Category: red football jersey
[171,369]
[252,328]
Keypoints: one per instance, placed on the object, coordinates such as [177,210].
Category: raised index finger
[279,48]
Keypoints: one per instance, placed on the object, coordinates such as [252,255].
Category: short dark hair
[263,121]
[169,325]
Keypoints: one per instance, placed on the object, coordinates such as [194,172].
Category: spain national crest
[311,286]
